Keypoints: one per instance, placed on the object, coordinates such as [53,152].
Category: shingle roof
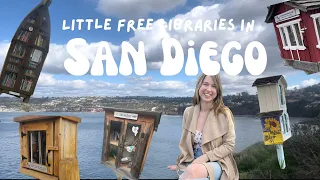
[303,5]
[267,80]
[270,114]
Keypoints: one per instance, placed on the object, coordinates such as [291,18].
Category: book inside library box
[27,53]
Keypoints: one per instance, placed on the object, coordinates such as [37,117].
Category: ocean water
[163,150]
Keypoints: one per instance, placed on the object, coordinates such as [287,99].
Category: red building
[297,27]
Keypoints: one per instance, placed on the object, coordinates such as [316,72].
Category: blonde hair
[217,104]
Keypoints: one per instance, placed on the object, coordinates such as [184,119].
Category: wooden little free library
[48,147]
[126,140]
[27,53]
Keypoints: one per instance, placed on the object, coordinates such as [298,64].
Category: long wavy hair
[217,104]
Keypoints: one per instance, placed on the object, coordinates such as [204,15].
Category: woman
[208,135]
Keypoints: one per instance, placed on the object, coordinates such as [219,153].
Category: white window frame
[315,18]
[286,33]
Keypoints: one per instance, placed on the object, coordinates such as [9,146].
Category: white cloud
[236,9]
[164,85]
[304,83]
[136,8]
[293,87]
[309,82]
[152,38]
[236,84]
[4,47]
[47,80]
[154,65]
[233,9]
[58,54]
[48,85]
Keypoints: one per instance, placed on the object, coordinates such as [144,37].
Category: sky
[55,80]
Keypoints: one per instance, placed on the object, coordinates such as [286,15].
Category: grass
[302,157]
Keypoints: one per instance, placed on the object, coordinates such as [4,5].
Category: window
[316,22]
[282,124]
[291,35]
[283,37]
[286,123]
[281,95]
[37,147]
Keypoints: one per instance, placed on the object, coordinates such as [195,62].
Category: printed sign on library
[126,115]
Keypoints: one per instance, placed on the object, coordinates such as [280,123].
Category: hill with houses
[304,102]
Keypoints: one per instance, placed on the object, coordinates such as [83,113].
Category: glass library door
[36,138]
[114,142]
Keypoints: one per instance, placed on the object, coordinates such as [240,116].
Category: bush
[302,156]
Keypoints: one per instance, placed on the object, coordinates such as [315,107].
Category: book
[19,50]
[30,73]
[26,84]
[15,60]
[9,79]
[39,41]
[24,35]
[12,67]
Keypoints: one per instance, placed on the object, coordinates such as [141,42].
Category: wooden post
[69,169]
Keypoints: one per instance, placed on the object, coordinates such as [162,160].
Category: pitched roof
[30,118]
[267,80]
[303,5]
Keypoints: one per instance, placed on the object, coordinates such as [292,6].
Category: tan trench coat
[217,143]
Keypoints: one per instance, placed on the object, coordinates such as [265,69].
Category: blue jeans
[216,166]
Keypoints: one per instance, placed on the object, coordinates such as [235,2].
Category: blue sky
[55,80]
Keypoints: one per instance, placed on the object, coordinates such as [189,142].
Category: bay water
[163,149]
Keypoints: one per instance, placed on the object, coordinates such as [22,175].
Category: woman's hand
[173,167]
[202,159]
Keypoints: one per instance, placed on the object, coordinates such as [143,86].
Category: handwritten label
[126,115]
[37,167]
[287,15]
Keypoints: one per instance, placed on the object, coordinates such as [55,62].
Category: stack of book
[26,84]
[19,50]
[39,41]
[24,35]
[9,79]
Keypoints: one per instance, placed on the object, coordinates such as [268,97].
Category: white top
[197,141]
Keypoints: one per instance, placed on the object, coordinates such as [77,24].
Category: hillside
[300,103]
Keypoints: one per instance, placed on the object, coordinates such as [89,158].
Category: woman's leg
[217,170]
[194,171]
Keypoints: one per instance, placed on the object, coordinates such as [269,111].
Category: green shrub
[302,156]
